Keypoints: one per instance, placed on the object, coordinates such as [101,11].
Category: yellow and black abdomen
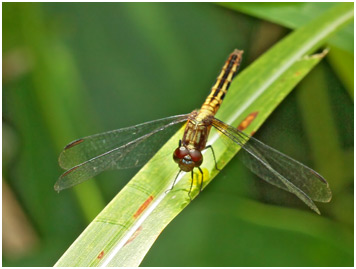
[218,91]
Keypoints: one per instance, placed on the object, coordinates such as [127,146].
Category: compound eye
[179,154]
[196,156]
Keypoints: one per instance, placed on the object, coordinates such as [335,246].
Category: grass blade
[294,15]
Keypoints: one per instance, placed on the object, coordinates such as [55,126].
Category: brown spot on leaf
[143,206]
[101,255]
[134,235]
[247,121]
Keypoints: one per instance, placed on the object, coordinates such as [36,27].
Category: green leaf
[124,231]
[295,15]
[343,64]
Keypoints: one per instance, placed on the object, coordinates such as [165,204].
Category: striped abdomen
[218,91]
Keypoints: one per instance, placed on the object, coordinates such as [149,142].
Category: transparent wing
[92,146]
[277,168]
[119,149]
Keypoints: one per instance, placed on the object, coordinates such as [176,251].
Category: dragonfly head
[187,159]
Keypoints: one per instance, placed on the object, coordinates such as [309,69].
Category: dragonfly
[134,146]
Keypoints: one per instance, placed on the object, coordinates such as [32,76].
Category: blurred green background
[75,69]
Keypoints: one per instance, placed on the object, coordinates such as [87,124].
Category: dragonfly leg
[174,182]
[191,185]
[212,150]
[202,180]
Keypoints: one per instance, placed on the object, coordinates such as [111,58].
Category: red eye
[179,154]
[196,155]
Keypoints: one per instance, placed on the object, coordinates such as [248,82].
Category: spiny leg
[212,150]
[202,180]
[174,182]
[191,185]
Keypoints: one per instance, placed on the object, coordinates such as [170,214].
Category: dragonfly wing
[277,168]
[134,152]
[92,146]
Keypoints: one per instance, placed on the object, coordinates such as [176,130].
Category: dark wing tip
[63,156]
[59,186]
[69,171]
[320,177]
[74,143]
[323,180]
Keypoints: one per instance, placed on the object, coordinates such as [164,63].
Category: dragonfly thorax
[187,159]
